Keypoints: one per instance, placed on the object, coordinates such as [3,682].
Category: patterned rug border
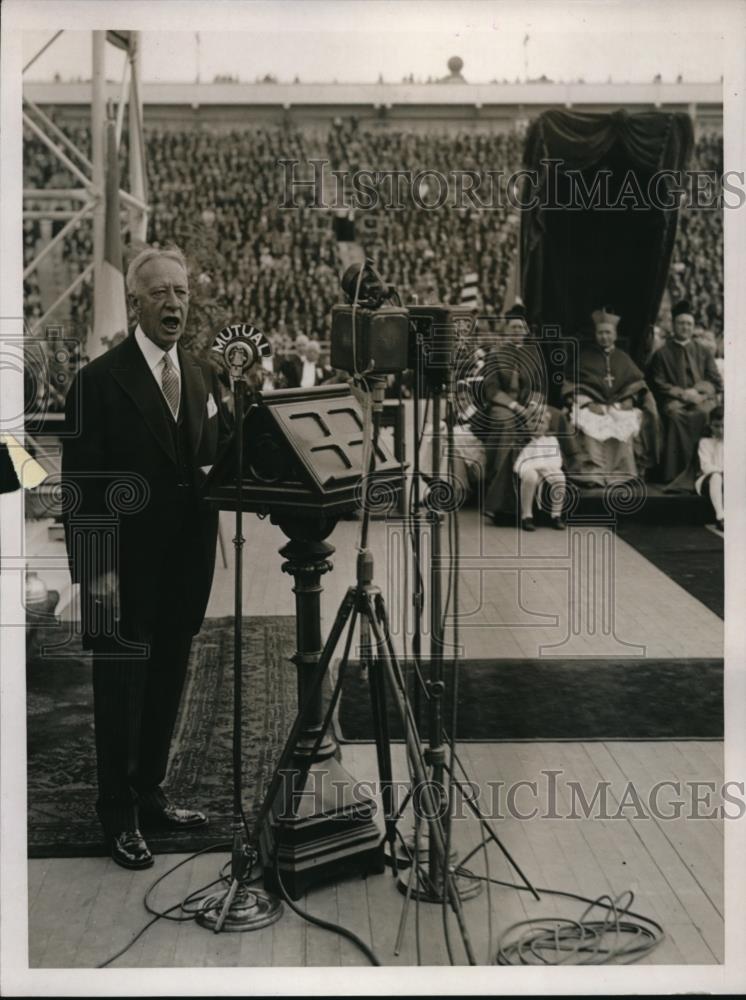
[61,773]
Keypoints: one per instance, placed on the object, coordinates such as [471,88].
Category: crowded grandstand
[222,197]
[218,196]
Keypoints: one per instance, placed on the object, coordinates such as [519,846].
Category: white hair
[148,254]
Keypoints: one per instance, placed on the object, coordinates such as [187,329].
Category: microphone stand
[429,887]
[239,908]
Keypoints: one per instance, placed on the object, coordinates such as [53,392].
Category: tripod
[438,378]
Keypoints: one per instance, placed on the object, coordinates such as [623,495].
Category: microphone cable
[182,905]
[325,925]
[552,940]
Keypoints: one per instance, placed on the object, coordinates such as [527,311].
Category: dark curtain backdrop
[573,261]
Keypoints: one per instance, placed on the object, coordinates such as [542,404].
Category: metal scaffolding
[87,200]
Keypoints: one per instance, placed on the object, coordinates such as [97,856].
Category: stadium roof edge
[390,95]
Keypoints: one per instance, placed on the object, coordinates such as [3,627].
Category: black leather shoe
[170,817]
[558,523]
[528,524]
[129,850]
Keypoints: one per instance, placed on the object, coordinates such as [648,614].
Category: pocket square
[212,408]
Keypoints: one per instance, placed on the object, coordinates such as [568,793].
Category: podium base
[333,834]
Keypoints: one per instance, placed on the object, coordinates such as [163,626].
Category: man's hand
[691,396]
[105,590]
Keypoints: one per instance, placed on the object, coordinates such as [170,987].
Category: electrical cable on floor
[552,940]
[154,885]
[146,927]
[183,905]
[326,925]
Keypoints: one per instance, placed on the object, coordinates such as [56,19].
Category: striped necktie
[170,385]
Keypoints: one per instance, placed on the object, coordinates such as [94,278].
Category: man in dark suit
[149,415]
[306,371]
[291,368]
[686,382]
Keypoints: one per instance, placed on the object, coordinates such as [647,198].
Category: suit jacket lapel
[138,382]
[194,396]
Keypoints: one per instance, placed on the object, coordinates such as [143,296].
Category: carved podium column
[332,832]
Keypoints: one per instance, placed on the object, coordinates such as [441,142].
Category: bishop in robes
[612,410]
[686,381]
[514,388]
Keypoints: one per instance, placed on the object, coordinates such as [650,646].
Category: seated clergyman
[686,381]
[514,390]
[611,408]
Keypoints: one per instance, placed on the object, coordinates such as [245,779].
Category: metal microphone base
[418,885]
[401,859]
[239,908]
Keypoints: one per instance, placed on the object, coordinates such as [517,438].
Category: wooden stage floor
[517,599]
[584,592]
[81,911]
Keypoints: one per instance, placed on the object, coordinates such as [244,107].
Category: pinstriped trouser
[135,707]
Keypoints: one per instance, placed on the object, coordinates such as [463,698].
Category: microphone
[241,348]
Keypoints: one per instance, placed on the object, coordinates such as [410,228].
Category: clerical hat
[517,311]
[682,308]
[605,315]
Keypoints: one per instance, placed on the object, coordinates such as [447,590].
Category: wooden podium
[303,465]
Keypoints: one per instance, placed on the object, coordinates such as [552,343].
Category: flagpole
[138,218]
[97,157]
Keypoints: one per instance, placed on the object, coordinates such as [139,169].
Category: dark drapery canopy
[574,260]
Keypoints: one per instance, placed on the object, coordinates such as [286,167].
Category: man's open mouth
[171,323]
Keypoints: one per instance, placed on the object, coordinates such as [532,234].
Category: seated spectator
[513,389]
[611,408]
[322,372]
[306,370]
[539,463]
[465,469]
[710,481]
[685,379]
[219,195]
[291,368]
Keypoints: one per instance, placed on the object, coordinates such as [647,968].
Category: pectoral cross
[608,377]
